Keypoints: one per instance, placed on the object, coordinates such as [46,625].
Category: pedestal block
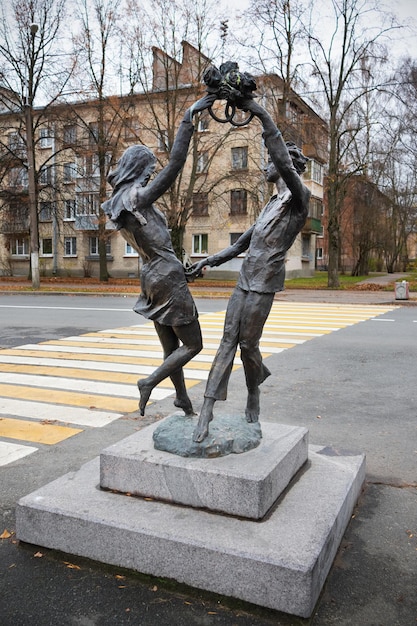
[245,485]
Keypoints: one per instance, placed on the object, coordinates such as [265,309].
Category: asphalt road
[353,389]
[32,318]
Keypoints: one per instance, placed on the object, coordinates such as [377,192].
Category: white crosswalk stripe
[62,347]
[10,452]
[49,412]
[92,365]
[48,391]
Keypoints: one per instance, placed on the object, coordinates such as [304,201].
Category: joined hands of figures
[229,84]
[194,271]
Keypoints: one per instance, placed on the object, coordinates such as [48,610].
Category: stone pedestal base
[280,562]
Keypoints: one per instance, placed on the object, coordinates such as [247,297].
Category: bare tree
[95,48]
[337,66]
[31,75]
[392,164]
[277,35]
[166,64]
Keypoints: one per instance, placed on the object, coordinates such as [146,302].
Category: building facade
[216,198]
[375,233]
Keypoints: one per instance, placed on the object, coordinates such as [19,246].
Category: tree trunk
[103,272]
[334,237]
[177,238]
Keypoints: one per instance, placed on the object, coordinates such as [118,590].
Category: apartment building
[216,198]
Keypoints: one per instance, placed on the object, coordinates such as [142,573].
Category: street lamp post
[33,209]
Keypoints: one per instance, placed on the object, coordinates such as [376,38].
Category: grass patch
[347,282]
[319,281]
[132,285]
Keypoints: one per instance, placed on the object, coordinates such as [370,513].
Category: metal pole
[33,209]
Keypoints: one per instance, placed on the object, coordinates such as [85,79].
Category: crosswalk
[56,389]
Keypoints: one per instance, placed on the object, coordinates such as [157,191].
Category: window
[305,250]
[293,113]
[163,141]
[18,215]
[92,165]
[46,175]
[93,246]
[239,158]
[70,134]
[234,237]
[107,159]
[87,204]
[88,166]
[200,244]
[203,123]
[46,247]
[202,162]
[200,204]
[70,172]
[314,171]
[238,202]
[15,143]
[132,129]
[130,250]
[45,138]
[69,209]
[240,117]
[316,207]
[45,211]
[93,134]
[70,246]
[18,177]
[13,140]
[319,254]
[20,247]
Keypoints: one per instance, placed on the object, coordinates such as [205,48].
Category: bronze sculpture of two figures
[165,298]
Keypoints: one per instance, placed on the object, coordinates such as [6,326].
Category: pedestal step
[280,562]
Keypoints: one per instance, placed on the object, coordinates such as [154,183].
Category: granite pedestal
[280,562]
[246,485]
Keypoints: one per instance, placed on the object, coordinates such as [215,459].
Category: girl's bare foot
[145,390]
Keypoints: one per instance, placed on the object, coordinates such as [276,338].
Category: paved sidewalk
[370,291]
[343,297]
[384,279]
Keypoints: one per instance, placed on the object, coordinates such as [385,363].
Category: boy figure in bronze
[165,298]
[262,273]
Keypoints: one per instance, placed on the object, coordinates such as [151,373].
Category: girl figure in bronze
[165,298]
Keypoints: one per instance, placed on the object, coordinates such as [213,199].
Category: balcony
[14,220]
[90,222]
[313,226]
[86,222]
[11,227]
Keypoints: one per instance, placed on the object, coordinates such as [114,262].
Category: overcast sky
[403,42]
[405,10]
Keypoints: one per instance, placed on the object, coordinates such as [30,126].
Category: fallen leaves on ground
[71,565]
